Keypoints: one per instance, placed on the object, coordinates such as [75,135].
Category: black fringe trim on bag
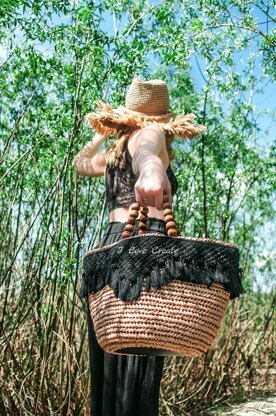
[159,259]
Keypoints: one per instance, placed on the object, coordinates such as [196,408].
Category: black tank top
[120,181]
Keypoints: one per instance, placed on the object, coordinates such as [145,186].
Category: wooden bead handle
[171,227]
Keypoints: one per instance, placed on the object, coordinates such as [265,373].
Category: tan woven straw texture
[148,97]
[181,318]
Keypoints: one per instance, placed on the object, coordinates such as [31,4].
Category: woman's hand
[152,184]
[152,181]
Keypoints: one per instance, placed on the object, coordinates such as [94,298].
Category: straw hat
[147,102]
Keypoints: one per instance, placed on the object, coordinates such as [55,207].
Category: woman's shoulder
[132,142]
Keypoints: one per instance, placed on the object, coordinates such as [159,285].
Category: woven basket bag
[156,294]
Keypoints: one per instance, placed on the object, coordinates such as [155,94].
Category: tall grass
[43,330]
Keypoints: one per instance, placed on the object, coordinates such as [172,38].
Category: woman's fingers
[139,198]
[149,200]
[168,191]
[153,199]
[151,187]
[144,199]
[158,200]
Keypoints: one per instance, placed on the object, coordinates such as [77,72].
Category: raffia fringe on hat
[107,121]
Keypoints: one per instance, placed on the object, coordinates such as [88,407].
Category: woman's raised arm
[87,162]
[153,179]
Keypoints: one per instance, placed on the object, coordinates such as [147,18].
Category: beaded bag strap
[171,227]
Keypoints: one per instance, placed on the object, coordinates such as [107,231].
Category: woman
[136,168]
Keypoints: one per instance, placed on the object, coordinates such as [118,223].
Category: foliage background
[59,57]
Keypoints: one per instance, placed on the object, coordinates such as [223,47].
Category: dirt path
[255,407]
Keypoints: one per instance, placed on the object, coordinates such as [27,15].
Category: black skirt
[123,385]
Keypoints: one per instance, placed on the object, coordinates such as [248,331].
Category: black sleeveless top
[120,181]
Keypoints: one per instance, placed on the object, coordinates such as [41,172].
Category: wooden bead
[172,232]
[142,213]
[169,218]
[167,205]
[140,232]
[143,218]
[135,206]
[167,211]
[126,234]
[129,227]
[165,198]
[144,209]
[133,213]
[131,220]
[142,226]
[170,224]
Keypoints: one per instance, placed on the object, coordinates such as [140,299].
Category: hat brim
[108,121]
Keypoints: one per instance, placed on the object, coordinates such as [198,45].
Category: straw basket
[166,297]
